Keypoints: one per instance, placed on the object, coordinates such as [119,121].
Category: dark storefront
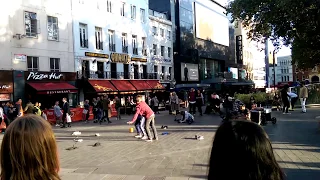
[48,87]
[6,86]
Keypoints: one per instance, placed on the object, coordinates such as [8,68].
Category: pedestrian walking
[29,109]
[117,106]
[143,109]
[66,113]
[192,101]
[155,104]
[285,99]
[174,102]
[86,111]
[105,105]
[303,95]
[57,113]
[199,101]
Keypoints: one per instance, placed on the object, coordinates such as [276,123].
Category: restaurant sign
[139,59]
[40,76]
[58,92]
[98,55]
[120,58]
[50,76]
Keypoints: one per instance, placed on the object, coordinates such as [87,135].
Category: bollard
[131,130]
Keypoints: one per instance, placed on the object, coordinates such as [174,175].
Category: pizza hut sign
[44,76]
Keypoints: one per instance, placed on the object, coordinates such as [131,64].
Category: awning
[123,85]
[102,86]
[53,88]
[155,85]
[141,85]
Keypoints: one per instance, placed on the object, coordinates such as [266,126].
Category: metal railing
[116,75]
[112,47]
[125,49]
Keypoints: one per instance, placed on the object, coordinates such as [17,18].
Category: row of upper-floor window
[285,62]
[112,6]
[33,64]
[161,32]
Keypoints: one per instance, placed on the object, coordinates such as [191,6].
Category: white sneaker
[57,125]
[138,136]
[144,138]
[149,140]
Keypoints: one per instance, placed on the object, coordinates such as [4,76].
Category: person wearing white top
[293,99]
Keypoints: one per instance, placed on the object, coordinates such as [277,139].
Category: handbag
[68,118]
[3,125]
[85,111]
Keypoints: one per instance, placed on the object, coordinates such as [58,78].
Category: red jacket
[192,96]
[144,110]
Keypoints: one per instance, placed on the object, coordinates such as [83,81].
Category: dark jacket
[66,109]
[284,95]
[29,108]
[192,96]
[105,104]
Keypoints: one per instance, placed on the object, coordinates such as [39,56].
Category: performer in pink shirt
[144,110]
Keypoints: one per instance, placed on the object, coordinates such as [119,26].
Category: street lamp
[274,69]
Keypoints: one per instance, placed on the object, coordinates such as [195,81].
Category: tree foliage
[294,22]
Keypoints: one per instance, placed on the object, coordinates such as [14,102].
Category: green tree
[294,22]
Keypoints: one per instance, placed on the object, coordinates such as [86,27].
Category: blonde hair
[29,150]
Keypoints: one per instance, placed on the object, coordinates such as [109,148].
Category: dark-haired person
[66,112]
[285,99]
[29,150]
[12,112]
[244,148]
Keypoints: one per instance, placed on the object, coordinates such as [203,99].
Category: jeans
[140,126]
[192,108]
[303,104]
[118,113]
[200,108]
[106,114]
[151,122]
[293,102]
[286,106]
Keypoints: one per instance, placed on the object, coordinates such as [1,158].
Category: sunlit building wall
[160,39]
[104,29]
[36,36]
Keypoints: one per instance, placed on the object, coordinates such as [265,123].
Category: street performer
[144,110]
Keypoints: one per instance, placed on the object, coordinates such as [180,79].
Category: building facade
[115,44]
[160,41]
[199,54]
[36,38]
[283,71]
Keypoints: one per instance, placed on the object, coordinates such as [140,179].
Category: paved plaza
[178,156]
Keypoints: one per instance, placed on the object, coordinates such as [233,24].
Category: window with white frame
[122,9]
[112,44]
[124,43]
[32,63]
[134,45]
[154,30]
[109,6]
[162,51]
[168,34]
[169,51]
[142,15]
[133,12]
[53,29]
[55,64]
[98,36]
[83,35]
[154,49]
[31,24]
[161,32]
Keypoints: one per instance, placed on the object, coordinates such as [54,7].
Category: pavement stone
[179,156]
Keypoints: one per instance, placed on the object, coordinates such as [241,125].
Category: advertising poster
[189,72]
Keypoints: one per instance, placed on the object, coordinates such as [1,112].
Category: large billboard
[189,72]
[211,22]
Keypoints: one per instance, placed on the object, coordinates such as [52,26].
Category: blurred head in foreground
[242,150]
[29,150]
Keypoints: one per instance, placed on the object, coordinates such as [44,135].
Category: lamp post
[274,69]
